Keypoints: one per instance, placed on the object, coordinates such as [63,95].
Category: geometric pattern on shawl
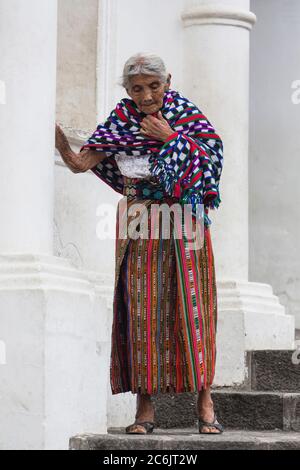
[188,165]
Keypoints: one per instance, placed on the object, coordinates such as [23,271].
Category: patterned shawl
[188,164]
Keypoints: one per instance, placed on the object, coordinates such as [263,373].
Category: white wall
[76,62]
[125,27]
[154,26]
[274,162]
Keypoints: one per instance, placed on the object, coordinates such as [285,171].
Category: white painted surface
[56,377]
[2,353]
[78,198]
[53,321]
[54,324]
[27,66]
[220,88]
[250,316]
[2,92]
[76,63]
[141,26]
[274,150]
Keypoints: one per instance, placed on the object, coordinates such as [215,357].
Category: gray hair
[143,63]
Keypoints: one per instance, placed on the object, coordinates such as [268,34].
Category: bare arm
[77,162]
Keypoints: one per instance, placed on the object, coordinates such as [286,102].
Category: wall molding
[218,14]
[76,136]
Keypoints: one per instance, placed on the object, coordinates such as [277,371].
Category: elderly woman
[158,148]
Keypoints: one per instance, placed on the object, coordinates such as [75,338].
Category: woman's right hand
[72,161]
[77,163]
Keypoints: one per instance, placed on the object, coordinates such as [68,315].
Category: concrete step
[258,410]
[187,439]
[272,370]
[239,409]
[269,398]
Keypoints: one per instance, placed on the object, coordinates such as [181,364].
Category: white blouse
[133,166]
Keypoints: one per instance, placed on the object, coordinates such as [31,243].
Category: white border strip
[2,92]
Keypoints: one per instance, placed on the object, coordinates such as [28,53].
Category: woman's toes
[139,429]
[214,430]
[135,428]
[210,429]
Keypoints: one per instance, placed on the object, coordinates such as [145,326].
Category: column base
[54,325]
[250,317]
[122,406]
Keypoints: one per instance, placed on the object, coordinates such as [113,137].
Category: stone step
[187,439]
[272,370]
[258,410]
[239,409]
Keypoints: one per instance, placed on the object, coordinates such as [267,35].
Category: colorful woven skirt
[165,305]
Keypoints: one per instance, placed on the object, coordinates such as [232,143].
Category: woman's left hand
[158,128]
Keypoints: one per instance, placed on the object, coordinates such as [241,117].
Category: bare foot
[205,408]
[145,412]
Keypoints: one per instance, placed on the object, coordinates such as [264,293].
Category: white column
[28,69]
[54,340]
[217,59]
[217,79]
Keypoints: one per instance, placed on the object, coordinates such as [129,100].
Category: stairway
[263,413]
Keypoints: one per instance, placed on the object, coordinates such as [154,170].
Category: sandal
[214,424]
[147,425]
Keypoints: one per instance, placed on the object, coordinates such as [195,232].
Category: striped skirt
[165,305]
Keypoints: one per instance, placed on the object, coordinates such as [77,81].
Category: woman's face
[147,91]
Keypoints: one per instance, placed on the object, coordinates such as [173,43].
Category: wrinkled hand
[158,128]
[76,163]
[59,135]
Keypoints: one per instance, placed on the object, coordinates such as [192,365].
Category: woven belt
[151,189]
[144,188]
